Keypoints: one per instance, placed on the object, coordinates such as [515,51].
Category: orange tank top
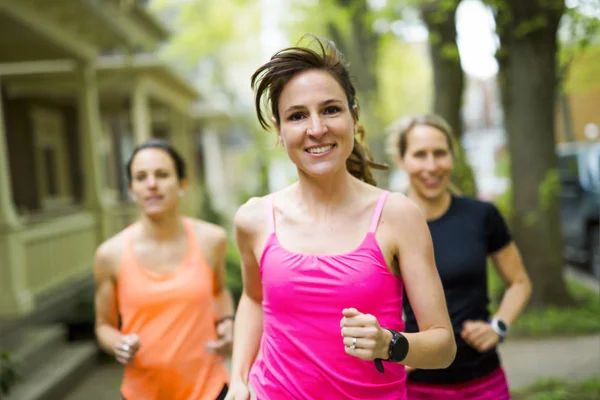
[173,316]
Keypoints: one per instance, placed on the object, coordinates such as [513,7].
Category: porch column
[90,131]
[183,140]
[140,113]
[15,299]
[216,183]
[8,213]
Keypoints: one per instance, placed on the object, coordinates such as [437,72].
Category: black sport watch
[397,352]
[398,347]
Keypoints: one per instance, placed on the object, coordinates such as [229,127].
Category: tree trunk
[448,80]
[528,75]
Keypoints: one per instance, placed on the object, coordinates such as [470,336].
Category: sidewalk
[569,358]
[525,361]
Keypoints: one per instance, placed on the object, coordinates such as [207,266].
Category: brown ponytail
[360,162]
[270,79]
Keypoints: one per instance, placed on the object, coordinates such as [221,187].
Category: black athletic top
[462,239]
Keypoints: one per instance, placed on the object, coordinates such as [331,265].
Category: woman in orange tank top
[162,308]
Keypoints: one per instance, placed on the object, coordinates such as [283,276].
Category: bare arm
[106,301]
[434,346]
[122,347]
[223,301]
[249,321]
[509,264]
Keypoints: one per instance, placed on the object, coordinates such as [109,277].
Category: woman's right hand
[238,391]
[126,347]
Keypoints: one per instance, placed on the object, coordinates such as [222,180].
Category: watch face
[400,347]
[501,325]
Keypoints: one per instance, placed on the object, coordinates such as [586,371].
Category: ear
[355,118]
[183,184]
[276,126]
[132,196]
[356,112]
[399,161]
[278,131]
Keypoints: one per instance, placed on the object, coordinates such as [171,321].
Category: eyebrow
[301,107]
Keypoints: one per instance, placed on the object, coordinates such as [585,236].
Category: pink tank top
[302,354]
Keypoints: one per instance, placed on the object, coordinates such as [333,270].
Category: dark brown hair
[270,79]
[161,144]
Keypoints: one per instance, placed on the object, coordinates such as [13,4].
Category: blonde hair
[398,136]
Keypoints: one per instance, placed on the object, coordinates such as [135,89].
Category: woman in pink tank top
[325,261]
[162,309]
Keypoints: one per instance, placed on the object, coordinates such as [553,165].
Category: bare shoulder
[207,231]
[251,215]
[400,211]
[109,255]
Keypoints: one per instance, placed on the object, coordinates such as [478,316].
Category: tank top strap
[377,212]
[193,250]
[271,211]
[129,241]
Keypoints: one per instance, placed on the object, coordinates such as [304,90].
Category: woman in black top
[465,232]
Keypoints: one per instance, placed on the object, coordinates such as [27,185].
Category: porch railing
[58,250]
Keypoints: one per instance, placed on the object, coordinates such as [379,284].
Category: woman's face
[428,161]
[154,182]
[316,124]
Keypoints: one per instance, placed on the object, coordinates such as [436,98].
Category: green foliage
[548,192]
[8,374]
[405,81]
[549,189]
[583,70]
[462,175]
[551,321]
[580,28]
[207,211]
[233,275]
[530,26]
[203,28]
[234,272]
[450,51]
[554,389]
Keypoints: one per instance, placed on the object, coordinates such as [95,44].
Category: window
[51,158]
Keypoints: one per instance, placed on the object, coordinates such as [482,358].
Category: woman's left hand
[479,335]
[363,336]
[223,345]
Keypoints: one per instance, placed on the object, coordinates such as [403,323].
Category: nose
[430,163]
[151,181]
[317,128]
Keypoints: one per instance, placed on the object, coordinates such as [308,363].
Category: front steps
[48,366]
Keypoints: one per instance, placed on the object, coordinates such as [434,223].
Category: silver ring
[125,347]
[353,346]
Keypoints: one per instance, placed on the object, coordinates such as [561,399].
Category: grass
[552,389]
[553,321]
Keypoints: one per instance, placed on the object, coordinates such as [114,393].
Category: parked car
[579,166]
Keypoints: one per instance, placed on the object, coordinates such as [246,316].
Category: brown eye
[295,117]
[332,110]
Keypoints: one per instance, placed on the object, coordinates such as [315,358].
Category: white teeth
[322,149]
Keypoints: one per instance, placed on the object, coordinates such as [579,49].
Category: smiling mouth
[431,182]
[320,149]
[153,198]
